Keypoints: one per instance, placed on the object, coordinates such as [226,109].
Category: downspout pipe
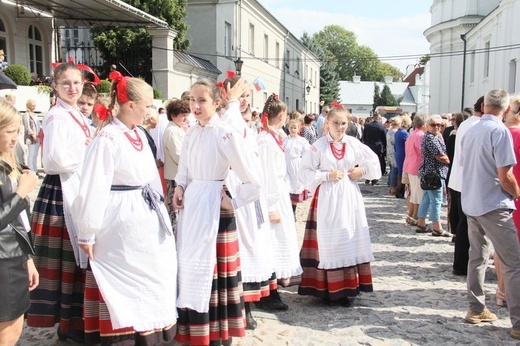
[463,37]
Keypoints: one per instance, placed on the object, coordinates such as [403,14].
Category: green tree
[377,97]
[329,82]
[349,58]
[133,47]
[387,98]
[386,69]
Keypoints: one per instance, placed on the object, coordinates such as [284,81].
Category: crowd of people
[153,225]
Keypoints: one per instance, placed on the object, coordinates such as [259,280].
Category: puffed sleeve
[63,149]
[244,165]
[311,175]
[367,160]
[181,178]
[97,176]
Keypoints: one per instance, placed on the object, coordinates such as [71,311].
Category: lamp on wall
[308,88]
[238,65]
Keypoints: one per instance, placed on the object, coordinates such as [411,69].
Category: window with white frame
[277,55]
[486,59]
[472,67]
[227,39]
[512,77]
[251,39]
[288,61]
[3,38]
[266,47]
[297,72]
[35,51]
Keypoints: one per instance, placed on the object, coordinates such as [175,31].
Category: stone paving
[416,298]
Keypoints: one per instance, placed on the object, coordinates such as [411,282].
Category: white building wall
[207,39]
[482,21]
[500,28]
[17,39]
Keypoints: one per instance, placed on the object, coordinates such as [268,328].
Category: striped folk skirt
[59,297]
[331,284]
[254,291]
[98,327]
[226,315]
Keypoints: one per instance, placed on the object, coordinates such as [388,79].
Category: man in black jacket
[374,135]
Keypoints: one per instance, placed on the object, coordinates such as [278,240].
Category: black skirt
[14,288]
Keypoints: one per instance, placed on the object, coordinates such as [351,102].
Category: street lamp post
[238,65]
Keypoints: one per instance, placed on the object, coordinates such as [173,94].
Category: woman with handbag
[434,168]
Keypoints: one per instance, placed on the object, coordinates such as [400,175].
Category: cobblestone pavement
[416,298]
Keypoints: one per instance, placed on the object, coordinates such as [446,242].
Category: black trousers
[459,224]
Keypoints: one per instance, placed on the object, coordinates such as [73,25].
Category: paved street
[417,301]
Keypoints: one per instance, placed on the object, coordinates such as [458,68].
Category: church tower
[450,21]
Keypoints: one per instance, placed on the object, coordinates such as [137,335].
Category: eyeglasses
[339,124]
[436,125]
[69,85]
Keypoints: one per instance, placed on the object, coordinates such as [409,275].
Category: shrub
[156,94]
[19,74]
[104,87]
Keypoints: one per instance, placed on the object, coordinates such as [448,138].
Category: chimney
[356,79]
[389,79]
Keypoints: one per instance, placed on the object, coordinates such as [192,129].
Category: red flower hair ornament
[120,80]
[335,104]
[101,111]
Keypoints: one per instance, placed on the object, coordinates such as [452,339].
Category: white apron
[196,243]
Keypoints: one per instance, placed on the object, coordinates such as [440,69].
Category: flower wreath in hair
[120,80]
[221,85]
[267,108]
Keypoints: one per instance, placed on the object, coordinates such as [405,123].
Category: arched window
[3,37]
[35,51]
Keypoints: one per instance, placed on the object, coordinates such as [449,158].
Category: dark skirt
[14,288]
[98,327]
[59,296]
[254,291]
[331,284]
[226,316]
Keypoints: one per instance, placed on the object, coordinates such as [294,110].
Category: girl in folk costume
[254,235]
[18,274]
[210,298]
[336,251]
[125,230]
[276,190]
[294,146]
[58,258]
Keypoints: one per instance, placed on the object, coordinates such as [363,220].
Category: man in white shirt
[318,124]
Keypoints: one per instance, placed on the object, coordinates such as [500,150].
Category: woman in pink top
[412,161]
[512,121]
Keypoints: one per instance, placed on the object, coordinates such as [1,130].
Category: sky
[390,28]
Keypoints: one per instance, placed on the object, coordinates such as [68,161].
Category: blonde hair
[297,121]
[9,116]
[515,106]
[406,121]
[135,89]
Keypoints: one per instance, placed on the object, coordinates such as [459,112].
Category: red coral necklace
[137,143]
[338,153]
[84,126]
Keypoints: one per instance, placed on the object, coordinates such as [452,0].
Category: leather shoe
[459,272]
[250,322]
[268,303]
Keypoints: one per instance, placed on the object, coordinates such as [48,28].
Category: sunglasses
[436,125]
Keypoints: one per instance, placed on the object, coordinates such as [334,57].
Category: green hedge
[19,74]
